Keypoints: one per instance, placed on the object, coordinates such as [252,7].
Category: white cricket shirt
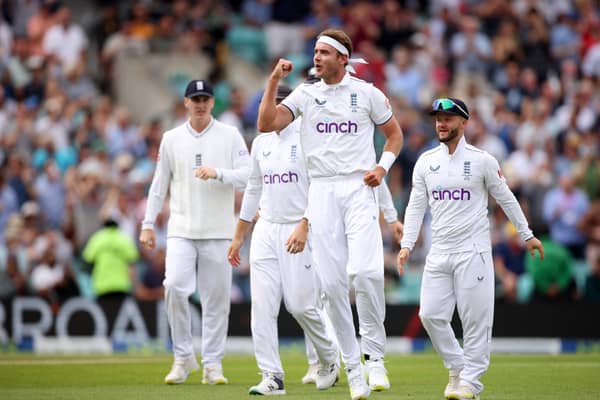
[337,124]
[456,187]
[198,209]
[278,182]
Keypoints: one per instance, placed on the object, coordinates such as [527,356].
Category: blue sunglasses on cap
[448,104]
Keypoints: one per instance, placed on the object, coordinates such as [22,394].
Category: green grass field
[24,377]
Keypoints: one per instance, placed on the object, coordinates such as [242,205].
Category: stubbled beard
[452,135]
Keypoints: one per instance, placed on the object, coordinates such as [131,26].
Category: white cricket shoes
[378,379]
[327,376]
[214,376]
[463,392]
[311,374]
[453,383]
[359,390]
[270,385]
[180,371]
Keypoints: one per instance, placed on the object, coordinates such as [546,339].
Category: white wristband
[387,160]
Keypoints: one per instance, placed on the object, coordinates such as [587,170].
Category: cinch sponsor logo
[447,194]
[337,127]
[286,177]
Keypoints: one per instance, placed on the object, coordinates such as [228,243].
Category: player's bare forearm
[233,252]
[270,117]
[393,135]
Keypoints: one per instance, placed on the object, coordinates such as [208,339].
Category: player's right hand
[233,253]
[148,238]
[403,255]
[282,69]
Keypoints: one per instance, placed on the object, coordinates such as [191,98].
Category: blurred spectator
[123,136]
[578,112]
[471,52]
[111,253]
[142,27]
[397,26]
[234,114]
[509,263]
[52,280]
[565,40]
[564,207]
[592,283]
[14,266]
[164,38]
[8,203]
[361,22]
[39,23]
[149,278]
[535,38]
[20,175]
[589,226]
[65,43]
[404,79]
[51,195]
[587,168]
[77,84]
[552,277]
[374,71]
[322,16]
[6,36]
[283,32]
[86,191]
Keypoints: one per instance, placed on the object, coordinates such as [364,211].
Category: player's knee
[430,322]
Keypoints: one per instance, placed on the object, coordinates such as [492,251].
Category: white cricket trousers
[311,352]
[202,263]
[277,274]
[464,280]
[348,250]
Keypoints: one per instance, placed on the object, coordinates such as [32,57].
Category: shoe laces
[355,378]
[324,371]
[377,365]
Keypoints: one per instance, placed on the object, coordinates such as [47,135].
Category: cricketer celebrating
[339,114]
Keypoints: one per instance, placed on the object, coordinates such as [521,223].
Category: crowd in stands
[75,165]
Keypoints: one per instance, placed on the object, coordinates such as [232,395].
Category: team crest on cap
[199,85]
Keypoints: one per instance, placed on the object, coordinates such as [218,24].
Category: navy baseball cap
[450,105]
[198,88]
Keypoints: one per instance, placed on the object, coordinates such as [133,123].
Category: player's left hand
[533,244]
[297,240]
[397,229]
[374,177]
[233,252]
[206,173]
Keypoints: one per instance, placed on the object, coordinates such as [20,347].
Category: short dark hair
[340,36]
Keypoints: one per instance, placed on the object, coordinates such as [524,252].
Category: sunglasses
[447,104]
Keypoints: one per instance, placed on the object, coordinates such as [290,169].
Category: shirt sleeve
[386,203]
[415,210]
[158,188]
[251,199]
[381,111]
[497,187]
[238,175]
[294,101]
